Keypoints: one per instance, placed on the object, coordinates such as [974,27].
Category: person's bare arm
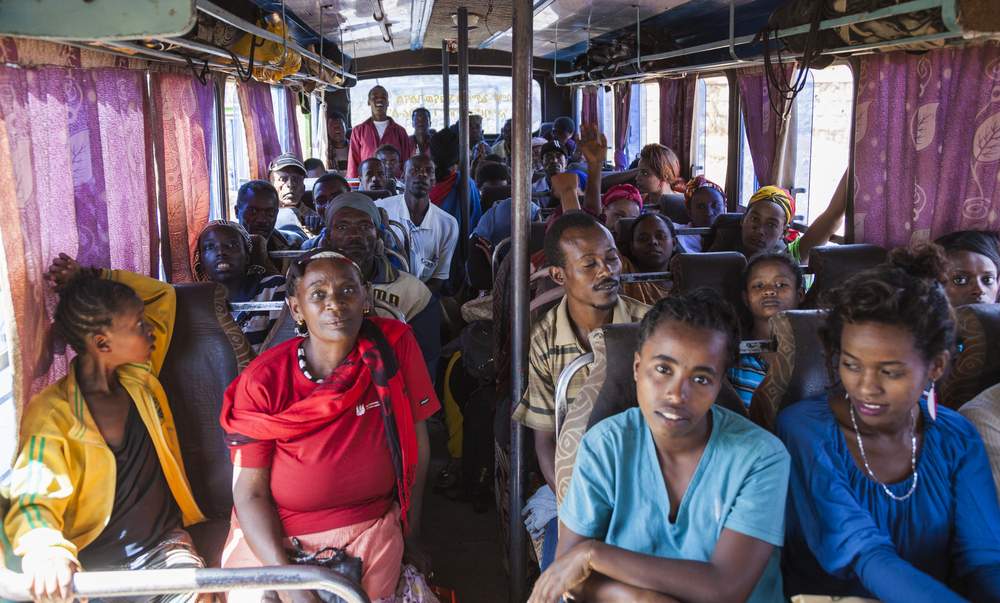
[593,146]
[827,223]
[545,450]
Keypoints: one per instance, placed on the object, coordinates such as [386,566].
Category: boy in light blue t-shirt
[678,499]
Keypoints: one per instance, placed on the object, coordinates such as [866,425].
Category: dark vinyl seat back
[725,233]
[672,206]
[833,264]
[977,366]
[608,390]
[491,195]
[479,269]
[721,271]
[536,237]
[798,369]
[207,352]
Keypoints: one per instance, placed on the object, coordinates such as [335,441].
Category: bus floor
[464,546]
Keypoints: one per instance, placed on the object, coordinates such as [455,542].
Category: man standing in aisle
[375,131]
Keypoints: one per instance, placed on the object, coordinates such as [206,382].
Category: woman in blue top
[674,500]
[888,501]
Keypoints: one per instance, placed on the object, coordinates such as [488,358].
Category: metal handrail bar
[14,586]
[562,385]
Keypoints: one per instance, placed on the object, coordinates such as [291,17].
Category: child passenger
[674,500]
[99,483]
[973,263]
[891,495]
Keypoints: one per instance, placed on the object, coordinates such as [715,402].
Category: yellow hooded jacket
[62,487]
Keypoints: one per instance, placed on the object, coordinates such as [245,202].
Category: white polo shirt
[432,243]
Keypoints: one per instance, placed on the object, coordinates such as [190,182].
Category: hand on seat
[50,572]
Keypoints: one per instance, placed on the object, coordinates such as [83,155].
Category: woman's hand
[593,145]
[50,573]
[566,573]
[62,270]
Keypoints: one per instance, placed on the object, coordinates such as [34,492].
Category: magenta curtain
[623,98]
[183,132]
[927,144]
[74,179]
[676,117]
[588,112]
[292,124]
[763,126]
[258,123]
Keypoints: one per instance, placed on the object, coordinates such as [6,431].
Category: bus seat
[536,238]
[672,206]
[376,194]
[479,269]
[833,264]
[493,194]
[725,230]
[207,352]
[721,271]
[977,366]
[608,390]
[798,369]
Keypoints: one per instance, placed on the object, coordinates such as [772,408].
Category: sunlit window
[649,122]
[710,137]
[237,160]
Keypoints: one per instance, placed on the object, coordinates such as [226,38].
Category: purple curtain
[292,123]
[74,178]
[763,126]
[588,112]
[258,123]
[623,98]
[927,144]
[676,117]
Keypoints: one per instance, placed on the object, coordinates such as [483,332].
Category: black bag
[331,558]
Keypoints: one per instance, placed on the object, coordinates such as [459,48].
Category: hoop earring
[301,329]
[932,402]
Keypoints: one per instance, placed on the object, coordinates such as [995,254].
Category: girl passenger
[891,495]
[772,283]
[704,531]
[659,173]
[99,482]
[974,261]
[705,201]
[649,244]
[347,400]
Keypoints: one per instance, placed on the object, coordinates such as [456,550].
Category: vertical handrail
[220,145]
[523,31]
[445,83]
[463,132]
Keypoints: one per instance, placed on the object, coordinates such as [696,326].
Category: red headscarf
[701,182]
[622,191]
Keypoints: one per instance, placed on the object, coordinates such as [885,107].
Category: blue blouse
[845,537]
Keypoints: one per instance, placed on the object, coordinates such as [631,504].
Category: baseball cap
[287,160]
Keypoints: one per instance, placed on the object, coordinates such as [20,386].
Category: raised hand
[62,270]
[593,145]
[564,184]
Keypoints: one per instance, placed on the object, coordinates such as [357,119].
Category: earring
[367,311]
[301,330]
[932,402]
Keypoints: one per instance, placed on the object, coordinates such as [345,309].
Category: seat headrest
[833,264]
[797,370]
[725,233]
[721,271]
[479,269]
[207,352]
[672,206]
[977,365]
[536,238]
[283,330]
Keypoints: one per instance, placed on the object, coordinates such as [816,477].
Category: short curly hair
[88,305]
[702,308]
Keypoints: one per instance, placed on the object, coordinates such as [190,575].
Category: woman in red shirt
[327,434]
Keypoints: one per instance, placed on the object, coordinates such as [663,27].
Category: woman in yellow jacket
[99,482]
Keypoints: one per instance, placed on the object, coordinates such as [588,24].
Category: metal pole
[523,27]
[220,144]
[463,132]
[445,85]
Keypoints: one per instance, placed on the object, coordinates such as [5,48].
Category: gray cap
[358,201]
[287,160]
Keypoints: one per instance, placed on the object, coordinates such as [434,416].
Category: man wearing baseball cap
[288,176]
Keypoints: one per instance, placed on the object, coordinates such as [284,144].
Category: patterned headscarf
[622,191]
[701,182]
[199,270]
[779,196]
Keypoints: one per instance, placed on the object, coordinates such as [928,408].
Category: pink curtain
[763,126]
[292,124]
[927,144]
[258,123]
[183,116]
[588,112]
[74,179]
[676,117]
[623,98]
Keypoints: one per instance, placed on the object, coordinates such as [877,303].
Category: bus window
[237,161]
[606,99]
[489,96]
[710,137]
[649,124]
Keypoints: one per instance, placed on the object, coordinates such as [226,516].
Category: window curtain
[677,117]
[588,112]
[318,118]
[927,144]
[258,123]
[74,178]
[764,129]
[183,116]
[293,144]
[623,103]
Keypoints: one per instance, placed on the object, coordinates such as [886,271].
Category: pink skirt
[378,542]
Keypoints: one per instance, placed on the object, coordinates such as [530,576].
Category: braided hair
[702,308]
[88,304]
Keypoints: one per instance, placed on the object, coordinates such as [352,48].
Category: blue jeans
[550,543]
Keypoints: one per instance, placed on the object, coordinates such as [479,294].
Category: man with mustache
[377,130]
[433,231]
[583,259]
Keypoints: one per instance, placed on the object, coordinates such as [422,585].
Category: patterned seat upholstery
[608,390]
[977,366]
[798,370]
[721,271]
[207,352]
[833,264]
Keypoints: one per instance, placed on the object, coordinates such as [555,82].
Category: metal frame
[463,134]
[562,385]
[495,261]
[14,587]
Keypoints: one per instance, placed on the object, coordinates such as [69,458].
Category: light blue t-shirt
[617,493]
[494,226]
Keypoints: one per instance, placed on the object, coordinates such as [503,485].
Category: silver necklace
[913,457]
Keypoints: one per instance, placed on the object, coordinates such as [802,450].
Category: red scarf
[441,190]
[371,362]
